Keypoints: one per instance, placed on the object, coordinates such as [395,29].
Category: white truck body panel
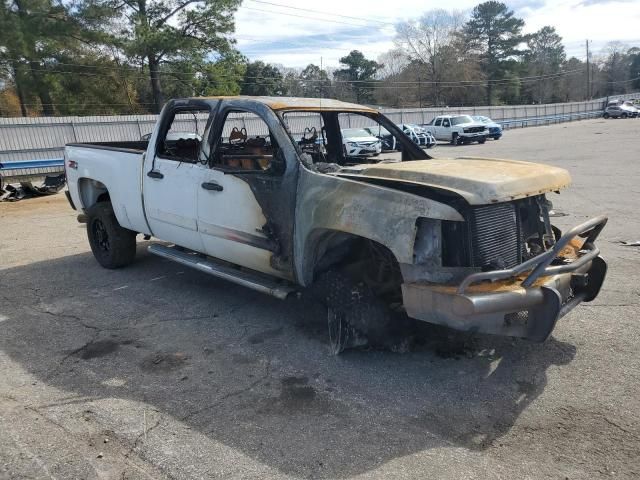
[227,217]
[171,202]
[120,175]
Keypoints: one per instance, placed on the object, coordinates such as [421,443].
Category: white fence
[45,137]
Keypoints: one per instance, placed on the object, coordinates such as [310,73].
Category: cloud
[520,5]
[296,41]
[587,3]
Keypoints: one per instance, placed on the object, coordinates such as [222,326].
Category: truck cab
[260,191]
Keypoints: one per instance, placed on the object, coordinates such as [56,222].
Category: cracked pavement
[155,371]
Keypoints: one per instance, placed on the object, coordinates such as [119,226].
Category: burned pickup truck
[261,192]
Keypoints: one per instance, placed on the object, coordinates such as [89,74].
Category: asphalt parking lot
[155,371]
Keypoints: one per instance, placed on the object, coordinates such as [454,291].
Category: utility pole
[588,74]
[419,91]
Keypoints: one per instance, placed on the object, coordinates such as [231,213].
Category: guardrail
[43,139]
[29,170]
[549,119]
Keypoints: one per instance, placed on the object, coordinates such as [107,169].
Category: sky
[303,33]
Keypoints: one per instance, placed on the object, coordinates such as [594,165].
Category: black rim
[100,235]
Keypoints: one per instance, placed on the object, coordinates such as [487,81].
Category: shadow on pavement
[254,373]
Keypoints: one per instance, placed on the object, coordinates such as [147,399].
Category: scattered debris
[100,455]
[629,244]
[556,213]
[15,192]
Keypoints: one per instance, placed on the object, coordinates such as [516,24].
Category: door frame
[276,194]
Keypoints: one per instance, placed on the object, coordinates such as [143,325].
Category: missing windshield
[350,138]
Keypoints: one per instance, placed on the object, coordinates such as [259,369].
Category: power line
[131,75]
[624,81]
[370,20]
[373,85]
[303,16]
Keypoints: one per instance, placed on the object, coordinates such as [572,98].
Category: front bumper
[474,136]
[363,150]
[525,301]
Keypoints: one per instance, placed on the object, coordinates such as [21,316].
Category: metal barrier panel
[45,137]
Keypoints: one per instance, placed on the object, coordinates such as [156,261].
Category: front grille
[473,129]
[495,237]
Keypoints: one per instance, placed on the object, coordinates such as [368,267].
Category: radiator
[495,236]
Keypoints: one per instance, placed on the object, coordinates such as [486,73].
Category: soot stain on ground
[260,337]
[164,361]
[99,348]
[297,397]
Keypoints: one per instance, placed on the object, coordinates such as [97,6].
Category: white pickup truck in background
[232,187]
[457,129]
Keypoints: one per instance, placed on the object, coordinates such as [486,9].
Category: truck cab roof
[295,103]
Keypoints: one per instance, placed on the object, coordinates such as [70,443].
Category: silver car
[620,109]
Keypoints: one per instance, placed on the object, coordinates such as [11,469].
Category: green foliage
[34,31]
[634,67]
[544,59]
[494,33]
[360,71]
[177,33]
[546,50]
[262,79]
[314,81]
[94,84]
[223,77]
[126,56]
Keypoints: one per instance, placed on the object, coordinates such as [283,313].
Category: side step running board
[254,281]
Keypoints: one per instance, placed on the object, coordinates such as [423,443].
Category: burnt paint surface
[302,205]
[328,203]
[275,192]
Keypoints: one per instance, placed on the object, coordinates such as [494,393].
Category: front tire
[112,245]
[606,115]
[355,316]
[482,140]
[455,139]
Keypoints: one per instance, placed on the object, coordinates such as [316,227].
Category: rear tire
[112,245]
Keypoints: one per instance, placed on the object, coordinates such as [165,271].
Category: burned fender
[327,203]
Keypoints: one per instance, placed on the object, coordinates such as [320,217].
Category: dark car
[388,140]
[495,129]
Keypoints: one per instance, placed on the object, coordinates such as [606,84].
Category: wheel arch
[91,192]
[327,248]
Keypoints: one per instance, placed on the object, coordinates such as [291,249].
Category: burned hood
[478,180]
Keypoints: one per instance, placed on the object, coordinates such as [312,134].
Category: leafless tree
[393,68]
[428,41]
